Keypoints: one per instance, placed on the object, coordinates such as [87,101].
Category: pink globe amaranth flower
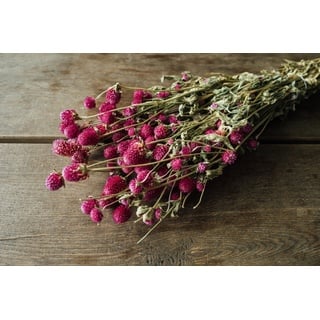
[194,146]
[246,129]
[129,122]
[176,164]
[145,177]
[105,107]
[185,150]
[162,117]
[252,144]
[200,186]
[152,194]
[129,111]
[64,124]
[160,152]
[66,148]
[117,136]
[149,222]
[71,131]
[161,131]
[163,94]
[54,181]
[107,117]
[162,171]
[121,214]
[206,148]
[209,131]
[89,102]
[146,131]
[68,115]
[135,187]
[132,132]
[158,213]
[125,168]
[80,156]
[101,129]
[138,96]
[235,137]
[229,157]
[75,172]
[88,205]
[214,105]
[113,96]
[202,167]
[135,154]
[187,185]
[96,215]
[110,152]
[172,119]
[123,146]
[185,76]
[114,185]
[175,195]
[88,137]
[177,87]
[150,143]
[105,203]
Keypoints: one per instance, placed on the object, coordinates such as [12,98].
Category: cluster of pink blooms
[150,160]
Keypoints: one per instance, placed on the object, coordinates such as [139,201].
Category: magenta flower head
[160,131]
[146,131]
[66,148]
[160,152]
[88,137]
[80,156]
[163,94]
[89,103]
[235,137]
[135,154]
[110,152]
[54,181]
[137,96]
[114,185]
[88,205]
[96,215]
[121,214]
[113,95]
[229,157]
[68,115]
[75,172]
[176,164]
[202,167]
[71,131]
[253,144]
[135,187]
[187,185]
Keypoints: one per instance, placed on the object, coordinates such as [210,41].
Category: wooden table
[264,210]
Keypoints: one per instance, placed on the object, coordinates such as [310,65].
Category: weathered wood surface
[36,87]
[264,210]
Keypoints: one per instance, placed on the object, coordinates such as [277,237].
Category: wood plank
[36,87]
[264,210]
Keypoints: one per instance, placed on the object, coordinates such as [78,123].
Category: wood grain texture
[264,210]
[39,86]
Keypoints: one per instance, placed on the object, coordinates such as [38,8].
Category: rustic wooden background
[264,210]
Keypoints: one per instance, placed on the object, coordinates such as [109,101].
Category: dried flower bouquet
[171,140]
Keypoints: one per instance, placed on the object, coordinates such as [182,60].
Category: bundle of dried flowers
[170,141]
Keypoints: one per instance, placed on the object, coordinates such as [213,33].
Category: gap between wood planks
[49,140]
